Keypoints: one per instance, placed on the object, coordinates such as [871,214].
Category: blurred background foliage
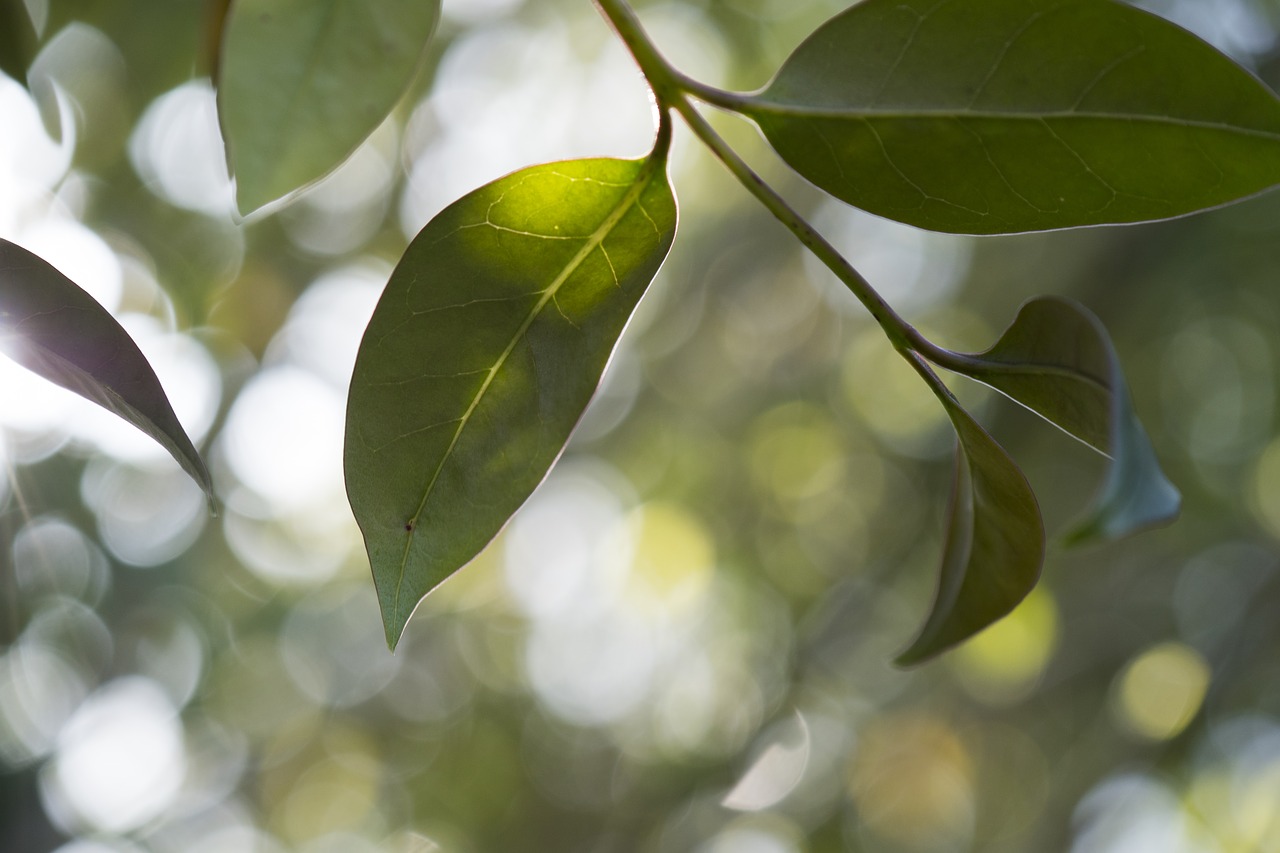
[682,641]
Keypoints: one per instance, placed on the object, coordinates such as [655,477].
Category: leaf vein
[419,312]
[1004,179]
[1085,165]
[378,448]
[1004,51]
[925,195]
[628,200]
[861,114]
[906,46]
[1104,73]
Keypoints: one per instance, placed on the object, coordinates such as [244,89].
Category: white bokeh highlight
[177,150]
[119,761]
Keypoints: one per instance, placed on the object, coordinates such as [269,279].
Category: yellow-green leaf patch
[485,348]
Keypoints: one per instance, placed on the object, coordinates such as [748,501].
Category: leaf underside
[1002,116]
[301,83]
[994,543]
[53,328]
[1057,359]
[485,348]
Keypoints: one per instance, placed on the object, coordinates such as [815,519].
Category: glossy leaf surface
[52,327]
[994,543]
[485,348]
[1000,116]
[303,82]
[1057,360]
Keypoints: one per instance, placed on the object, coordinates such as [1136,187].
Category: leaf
[482,353]
[1057,360]
[18,39]
[303,82]
[213,29]
[1000,116]
[52,327]
[994,545]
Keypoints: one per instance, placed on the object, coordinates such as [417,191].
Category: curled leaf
[1002,116]
[482,354]
[1057,359]
[53,328]
[994,543]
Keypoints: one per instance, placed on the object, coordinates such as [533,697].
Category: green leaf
[1000,116]
[52,327]
[484,350]
[1058,360]
[303,82]
[994,546]
[18,39]
[213,31]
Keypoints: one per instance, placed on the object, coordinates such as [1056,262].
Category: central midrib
[593,242]
[761,108]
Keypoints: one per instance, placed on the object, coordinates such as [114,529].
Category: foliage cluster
[974,116]
[495,328]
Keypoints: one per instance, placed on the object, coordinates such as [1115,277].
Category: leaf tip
[191,461]
[395,616]
[915,654]
[249,205]
[394,627]
[936,640]
[1153,502]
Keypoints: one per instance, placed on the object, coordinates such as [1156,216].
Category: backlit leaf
[52,327]
[1057,360]
[485,348]
[994,545]
[303,82]
[999,116]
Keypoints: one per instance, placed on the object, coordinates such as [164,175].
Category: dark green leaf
[18,39]
[1057,360]
[53,328]
[999,116]
[994,546]
[484,350]
[213,31]
[303,82]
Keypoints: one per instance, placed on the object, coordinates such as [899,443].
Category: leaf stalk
[671,90]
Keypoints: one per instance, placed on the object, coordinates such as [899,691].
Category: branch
[671,90]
